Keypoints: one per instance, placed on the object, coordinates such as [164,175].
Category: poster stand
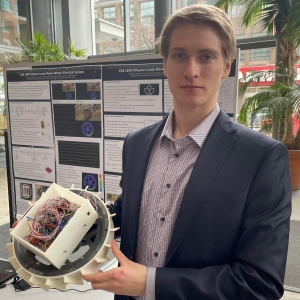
[67,121]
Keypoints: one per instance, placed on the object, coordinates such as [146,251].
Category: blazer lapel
[213,153]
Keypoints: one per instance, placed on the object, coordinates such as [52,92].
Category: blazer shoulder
[255,136]
[242,132]
[246,136]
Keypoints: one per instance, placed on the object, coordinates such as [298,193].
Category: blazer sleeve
[259,266]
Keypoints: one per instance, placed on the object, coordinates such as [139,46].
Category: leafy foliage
[40,50]
[280,100]
[277,17]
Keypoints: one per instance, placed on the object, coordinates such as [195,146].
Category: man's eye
[207,57]
[179,55]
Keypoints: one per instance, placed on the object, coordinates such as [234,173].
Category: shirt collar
[199,133]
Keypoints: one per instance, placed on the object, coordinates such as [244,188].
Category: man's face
[195,66]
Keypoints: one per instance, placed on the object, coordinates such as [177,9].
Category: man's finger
[98,277]
[122,259]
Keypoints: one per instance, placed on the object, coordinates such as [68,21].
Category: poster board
[67,122]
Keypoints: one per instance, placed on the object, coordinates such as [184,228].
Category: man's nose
[191,69]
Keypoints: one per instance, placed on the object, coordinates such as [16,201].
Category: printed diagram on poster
[83,165]
[34,163]
[31,123]
[113,155]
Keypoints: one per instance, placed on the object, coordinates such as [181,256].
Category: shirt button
[168,185]
[176,154]
[162,219]
[155,254]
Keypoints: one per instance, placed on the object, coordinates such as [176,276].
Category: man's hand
[128,279]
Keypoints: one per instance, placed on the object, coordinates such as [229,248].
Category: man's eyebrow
[177,49]
[208,50]
[205,50]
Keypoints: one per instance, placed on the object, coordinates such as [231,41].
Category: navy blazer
[230,238]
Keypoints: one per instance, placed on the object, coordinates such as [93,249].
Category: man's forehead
[200,25]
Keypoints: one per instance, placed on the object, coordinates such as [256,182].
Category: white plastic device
[34,272]
[63,245]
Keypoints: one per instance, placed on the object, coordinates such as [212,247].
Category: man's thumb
[117,253]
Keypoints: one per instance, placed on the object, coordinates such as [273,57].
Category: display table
[35,293]
[8,293]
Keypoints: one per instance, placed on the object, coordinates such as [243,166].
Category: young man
[205,205]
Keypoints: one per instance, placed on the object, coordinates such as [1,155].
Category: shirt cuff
[150,284]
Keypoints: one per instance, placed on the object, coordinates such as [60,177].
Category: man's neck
[185,121]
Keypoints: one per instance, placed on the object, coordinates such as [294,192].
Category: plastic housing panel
[62,247]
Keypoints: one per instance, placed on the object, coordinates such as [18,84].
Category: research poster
[55,117]
[68,124]
[133,97]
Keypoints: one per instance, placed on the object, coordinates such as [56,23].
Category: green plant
[40,50]
[281,100]
[277,17]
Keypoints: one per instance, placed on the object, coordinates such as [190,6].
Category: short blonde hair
[208,15]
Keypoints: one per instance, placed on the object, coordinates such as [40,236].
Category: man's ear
[227,68]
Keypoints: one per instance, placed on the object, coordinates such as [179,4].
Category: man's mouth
[191,87]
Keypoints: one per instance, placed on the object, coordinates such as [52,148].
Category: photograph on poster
[88,90]
[77,120]
[63,91]
[39,190]
[68,87]
[88,112]
[28,191]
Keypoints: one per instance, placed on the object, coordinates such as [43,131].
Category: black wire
[36,287]
[68,290]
